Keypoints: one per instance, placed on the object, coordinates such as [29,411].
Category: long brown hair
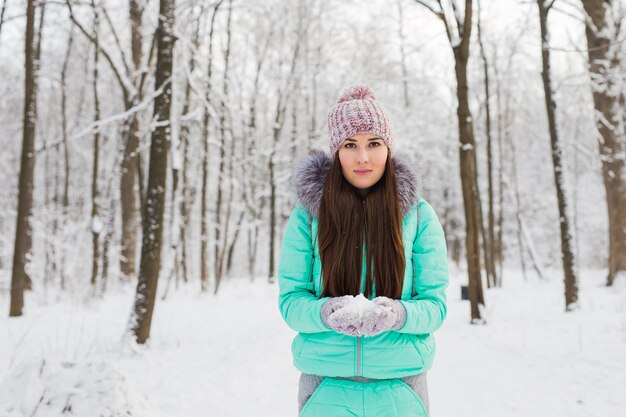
[345,220]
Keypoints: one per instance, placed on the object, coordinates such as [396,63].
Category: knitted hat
[356,112]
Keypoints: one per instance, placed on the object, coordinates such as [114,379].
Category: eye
[374,144]
[349,145]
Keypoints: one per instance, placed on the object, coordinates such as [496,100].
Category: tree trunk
[66,152]
[253,238]
[131,178]
[459,36]
[272,231]
[468,184]
[96,222]
[468,170]
[153,216]
[603,50]
[271,166]
[231,247]
[515,198]
[23,229]
[567,255]
[129,198]
[204,226]
[65,133]
[222,226]
[254,207]
[451,228]
[490,237]
[185,200]
[51,204]
[499,244]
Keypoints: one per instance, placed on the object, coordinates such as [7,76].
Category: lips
[362,171]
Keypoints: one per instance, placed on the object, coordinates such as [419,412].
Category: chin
[361,185]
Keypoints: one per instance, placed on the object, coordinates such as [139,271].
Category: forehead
[362,137]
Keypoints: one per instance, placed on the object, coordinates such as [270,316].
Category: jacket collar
[310,174]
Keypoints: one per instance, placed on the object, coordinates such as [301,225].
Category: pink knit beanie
[356,112]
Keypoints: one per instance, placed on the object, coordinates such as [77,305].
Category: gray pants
[308,384]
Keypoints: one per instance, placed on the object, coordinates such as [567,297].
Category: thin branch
[127,87]
[447,25]
[570,14]
[430,7]
[117,39]
[4,8]
[457,17]
[101,123]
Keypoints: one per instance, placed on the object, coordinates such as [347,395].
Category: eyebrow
[369,140]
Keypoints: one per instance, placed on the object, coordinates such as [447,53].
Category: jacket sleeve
[426,310]
[297,301]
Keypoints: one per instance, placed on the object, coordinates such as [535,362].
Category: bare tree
[204,220]
[253,206]
[458,29]
[603,39]
[181,198]
[131,81]
[221,225]
[65,133]
[23,230]
[490,237]
[131,172]
[96,222]
[280,113]
[149,269]
[567,255]
[65,143]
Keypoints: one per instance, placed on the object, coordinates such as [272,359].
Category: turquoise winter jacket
[320,350]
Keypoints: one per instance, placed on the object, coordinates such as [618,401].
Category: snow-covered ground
[230,355]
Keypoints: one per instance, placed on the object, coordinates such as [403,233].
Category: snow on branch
[100,123]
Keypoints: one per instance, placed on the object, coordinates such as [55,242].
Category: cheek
[345,164]
[380,158]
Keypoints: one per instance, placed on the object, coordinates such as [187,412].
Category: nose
[362,156]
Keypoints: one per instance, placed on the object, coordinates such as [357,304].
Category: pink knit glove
[388,315]
[337,322]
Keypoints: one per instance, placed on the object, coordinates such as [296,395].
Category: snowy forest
[147,150]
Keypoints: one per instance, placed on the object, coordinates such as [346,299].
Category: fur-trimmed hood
[310,173]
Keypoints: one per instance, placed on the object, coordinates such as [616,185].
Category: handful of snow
[362,317]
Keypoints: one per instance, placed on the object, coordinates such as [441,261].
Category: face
[363,158]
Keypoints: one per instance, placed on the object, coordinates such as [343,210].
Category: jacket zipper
[359,371]
[358,356]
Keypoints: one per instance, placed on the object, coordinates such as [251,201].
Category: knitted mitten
[331,306]
[388,315]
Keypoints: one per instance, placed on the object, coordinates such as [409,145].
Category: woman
[363,272]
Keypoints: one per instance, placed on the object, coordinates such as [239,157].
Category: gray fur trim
[310,173]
